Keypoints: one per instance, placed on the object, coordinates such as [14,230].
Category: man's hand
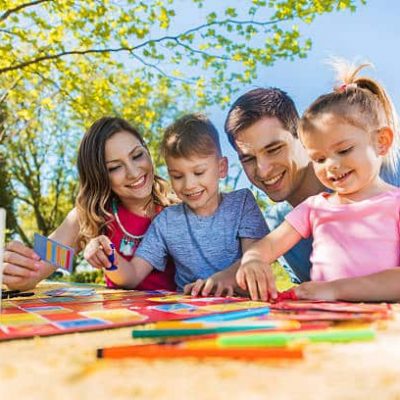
[257,278]
[219,284]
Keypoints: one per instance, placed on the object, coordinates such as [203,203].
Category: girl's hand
[316,291]
[97,251]
[257,278]
[22,267]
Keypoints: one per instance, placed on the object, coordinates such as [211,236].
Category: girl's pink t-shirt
[350,240]
[138,225]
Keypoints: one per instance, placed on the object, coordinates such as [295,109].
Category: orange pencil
[178,351]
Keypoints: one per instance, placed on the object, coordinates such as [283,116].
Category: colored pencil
[178,351]
[233,315]
[188,329]
[281,339]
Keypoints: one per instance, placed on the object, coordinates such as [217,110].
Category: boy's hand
[257,278]
[97,251]
[316,291]
[221,283]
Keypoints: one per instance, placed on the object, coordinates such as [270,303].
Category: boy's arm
[222,282]
[381,286]
[255,273]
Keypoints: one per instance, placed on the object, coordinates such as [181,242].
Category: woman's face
[129,166]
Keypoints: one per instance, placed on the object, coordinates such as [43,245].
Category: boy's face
[272,158]
[195,181]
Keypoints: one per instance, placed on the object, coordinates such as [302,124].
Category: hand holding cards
[55,253]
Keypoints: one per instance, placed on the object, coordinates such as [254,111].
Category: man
[262,127]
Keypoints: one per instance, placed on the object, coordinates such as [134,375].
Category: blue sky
[371,33]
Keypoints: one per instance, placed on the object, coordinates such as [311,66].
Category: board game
[69,308]
[66,308]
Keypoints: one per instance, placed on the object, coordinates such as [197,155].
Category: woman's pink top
[350,239]
[138,225]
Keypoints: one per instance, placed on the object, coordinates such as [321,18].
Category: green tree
[64,63]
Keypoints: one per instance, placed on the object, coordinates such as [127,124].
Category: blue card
[55,253]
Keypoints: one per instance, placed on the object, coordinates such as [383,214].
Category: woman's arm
[255,273]
[128,273]
[23,268]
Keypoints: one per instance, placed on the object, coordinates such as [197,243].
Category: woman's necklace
[128,241]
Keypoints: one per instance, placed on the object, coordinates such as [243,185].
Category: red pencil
[179,351]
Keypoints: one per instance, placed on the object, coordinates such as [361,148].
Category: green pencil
[268,339]
[158,333]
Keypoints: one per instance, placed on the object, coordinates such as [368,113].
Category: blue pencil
[239,314]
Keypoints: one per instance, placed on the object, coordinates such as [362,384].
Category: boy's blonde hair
[358,100]
[191,135]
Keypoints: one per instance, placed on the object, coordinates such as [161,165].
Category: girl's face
[346,158]
[130,169]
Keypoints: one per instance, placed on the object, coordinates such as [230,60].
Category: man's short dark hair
[257,104]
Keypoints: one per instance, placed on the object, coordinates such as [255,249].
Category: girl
[348,135]
[119,195]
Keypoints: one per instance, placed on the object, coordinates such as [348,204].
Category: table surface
[65,367]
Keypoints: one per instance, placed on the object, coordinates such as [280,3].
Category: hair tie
[345,86]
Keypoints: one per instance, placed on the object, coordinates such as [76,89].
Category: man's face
[271,158]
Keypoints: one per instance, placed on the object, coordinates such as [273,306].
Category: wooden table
[65,367]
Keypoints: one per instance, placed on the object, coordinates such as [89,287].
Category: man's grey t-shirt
[201,246]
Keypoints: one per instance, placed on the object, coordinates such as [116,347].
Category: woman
[119,194]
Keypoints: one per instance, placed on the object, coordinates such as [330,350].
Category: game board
[67,308]
[84,308]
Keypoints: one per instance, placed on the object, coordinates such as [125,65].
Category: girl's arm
[222,282]
[128,273]
[255,273]
[381,286]
[23,268]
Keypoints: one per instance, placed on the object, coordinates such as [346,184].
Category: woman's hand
[97,251]
[23,268]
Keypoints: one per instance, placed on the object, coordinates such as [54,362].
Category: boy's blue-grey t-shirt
[297,260]
[201,246]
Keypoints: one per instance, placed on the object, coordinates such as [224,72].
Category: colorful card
[53,252]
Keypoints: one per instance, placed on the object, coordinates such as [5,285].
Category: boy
[209,231]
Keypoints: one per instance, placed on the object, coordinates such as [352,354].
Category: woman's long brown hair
[95,196]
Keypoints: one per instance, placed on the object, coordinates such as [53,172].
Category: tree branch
[20,7]
[159,70]
[134,48]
